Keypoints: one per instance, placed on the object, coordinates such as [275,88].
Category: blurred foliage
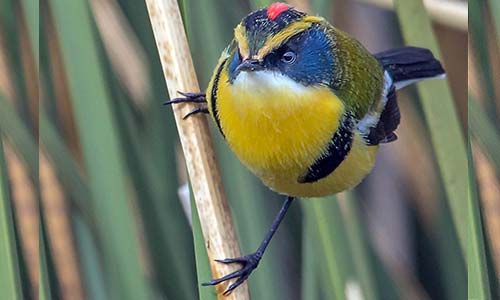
[441,117]
[114,150]
[10,279]
[478,285]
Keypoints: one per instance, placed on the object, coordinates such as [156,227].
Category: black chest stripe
[213,94]
[337,150]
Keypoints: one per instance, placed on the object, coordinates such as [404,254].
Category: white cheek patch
[266,81]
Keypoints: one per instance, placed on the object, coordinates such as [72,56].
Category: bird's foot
[188,98]
[248,263]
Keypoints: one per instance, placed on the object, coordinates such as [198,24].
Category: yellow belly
[278,134]
[348,174]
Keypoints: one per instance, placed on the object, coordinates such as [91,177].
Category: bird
[304,106]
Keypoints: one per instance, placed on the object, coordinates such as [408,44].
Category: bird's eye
[289,57]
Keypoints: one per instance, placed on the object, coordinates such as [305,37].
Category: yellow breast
[278,128]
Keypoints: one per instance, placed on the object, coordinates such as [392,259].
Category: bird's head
[280,45]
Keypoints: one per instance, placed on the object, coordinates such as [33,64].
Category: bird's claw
[197,110]
[188,98]
[192,95]
[248,263]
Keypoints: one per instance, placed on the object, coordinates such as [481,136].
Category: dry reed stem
[489,189]
[213,210]
[446,12]
[59,232]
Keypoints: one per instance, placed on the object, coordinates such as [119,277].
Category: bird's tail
[408,65]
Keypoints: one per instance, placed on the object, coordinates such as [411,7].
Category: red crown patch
[275,9]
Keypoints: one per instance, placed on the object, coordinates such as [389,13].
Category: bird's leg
[188,98]
[251,261]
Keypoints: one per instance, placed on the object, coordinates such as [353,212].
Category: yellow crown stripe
[279,38]
[240,37]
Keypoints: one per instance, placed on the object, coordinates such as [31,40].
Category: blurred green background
[93,194]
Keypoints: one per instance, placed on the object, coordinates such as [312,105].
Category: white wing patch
[401,84]
[370,120]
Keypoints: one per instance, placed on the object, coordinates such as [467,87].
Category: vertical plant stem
[440,114]
[358,241]
[31,15]
[92,271]
[489,189]
[58,226]
[67,169]
[202,263]
[101,149]
[495,9]
[213,210]
[483,129]
[478,282]
[44,289]
[163,219]
[25,202]
[10,279]
[311,271]
[480,44]
[338,268]
[12,126]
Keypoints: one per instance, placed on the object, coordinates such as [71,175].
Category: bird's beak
[249,65]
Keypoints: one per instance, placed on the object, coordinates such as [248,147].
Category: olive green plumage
[358,77]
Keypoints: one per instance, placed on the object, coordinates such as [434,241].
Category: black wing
[388,122]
